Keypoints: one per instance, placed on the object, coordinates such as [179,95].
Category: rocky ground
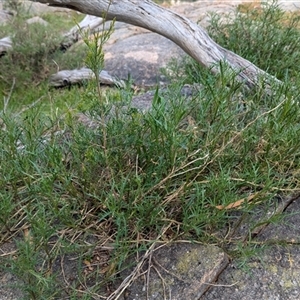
[190,271]
[185,270]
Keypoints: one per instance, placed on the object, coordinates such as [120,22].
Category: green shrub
[266,36]
[101,194]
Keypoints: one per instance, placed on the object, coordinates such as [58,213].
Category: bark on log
[189,36]
[69,77]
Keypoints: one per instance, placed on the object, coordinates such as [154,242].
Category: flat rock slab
[178,271]
[139,56]
[273,275]
[8,290]
[273,272]
[288,231]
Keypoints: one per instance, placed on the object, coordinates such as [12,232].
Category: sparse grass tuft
[74,211]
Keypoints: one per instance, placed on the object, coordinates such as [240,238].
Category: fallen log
[5,45]
[89,23]
[66,78]
[193,39]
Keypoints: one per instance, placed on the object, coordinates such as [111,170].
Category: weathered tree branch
[189,36]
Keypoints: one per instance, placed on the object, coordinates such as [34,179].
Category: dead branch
[193,39]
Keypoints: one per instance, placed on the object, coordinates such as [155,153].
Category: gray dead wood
[69,77]
[5,45]
[89,24]
[193,39]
